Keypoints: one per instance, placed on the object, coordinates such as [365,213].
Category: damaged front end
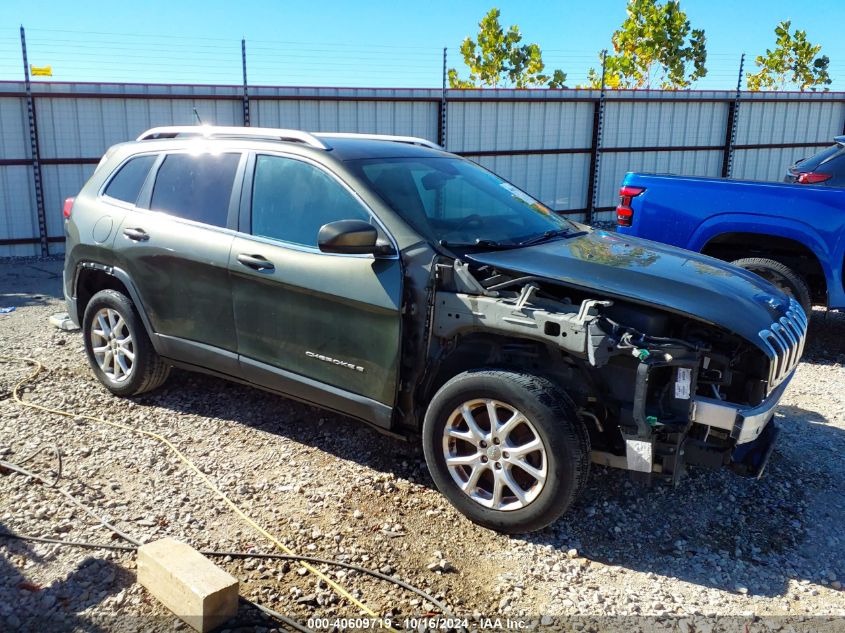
[657,390]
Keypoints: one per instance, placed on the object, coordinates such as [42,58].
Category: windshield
[456,202]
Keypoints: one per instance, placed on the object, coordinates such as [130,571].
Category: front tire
[119,351]
[506,448]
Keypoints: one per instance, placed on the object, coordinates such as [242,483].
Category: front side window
[127,183]
[196,186]
[456,201]
[292,199]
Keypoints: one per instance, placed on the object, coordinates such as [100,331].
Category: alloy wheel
[495,454]
[112,344]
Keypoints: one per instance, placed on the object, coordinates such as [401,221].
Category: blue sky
[364,43]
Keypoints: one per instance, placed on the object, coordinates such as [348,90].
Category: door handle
[136,235]
[256,262]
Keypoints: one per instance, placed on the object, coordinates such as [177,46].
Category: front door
[323,327]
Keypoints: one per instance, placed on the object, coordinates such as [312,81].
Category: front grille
[784,341]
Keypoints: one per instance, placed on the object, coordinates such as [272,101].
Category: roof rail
[411,140]
[218,131]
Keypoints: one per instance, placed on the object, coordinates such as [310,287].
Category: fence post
[36,154]
[730,127]
[443,118]
[595,147]
[246,89]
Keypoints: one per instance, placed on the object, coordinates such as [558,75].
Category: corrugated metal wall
[544,141]
[791,123]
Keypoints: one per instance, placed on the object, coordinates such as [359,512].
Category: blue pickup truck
[792,235]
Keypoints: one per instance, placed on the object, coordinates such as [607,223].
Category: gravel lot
[765,555]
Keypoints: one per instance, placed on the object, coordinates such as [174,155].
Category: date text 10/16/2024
[421,623]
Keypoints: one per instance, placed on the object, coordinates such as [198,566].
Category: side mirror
[351,237]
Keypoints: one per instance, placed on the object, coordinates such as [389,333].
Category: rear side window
[127,183]
[196,187]
[837,168]
[820,161]
[292,199]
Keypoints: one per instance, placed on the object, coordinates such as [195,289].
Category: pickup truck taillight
[67,208]
[812,177]
[624,212]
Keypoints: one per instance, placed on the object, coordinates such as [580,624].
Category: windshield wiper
[548,235]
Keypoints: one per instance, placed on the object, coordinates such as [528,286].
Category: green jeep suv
[388,280]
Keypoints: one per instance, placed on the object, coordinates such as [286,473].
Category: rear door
[322,327]
[175,248]
[121,192]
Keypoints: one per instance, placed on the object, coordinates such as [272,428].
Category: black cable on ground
[56,541]
[216,554]
[128,548]
[39,367]
[292,557]
[276,615]
[289,555]
[71,498]
[56,453]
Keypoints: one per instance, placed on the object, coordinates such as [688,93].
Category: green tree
[794,60]
[655,44]
[496,58]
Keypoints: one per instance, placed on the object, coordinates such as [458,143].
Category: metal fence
[569,148]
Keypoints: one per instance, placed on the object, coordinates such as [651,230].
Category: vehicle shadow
[715,529]
[825,340]
[57,606]
[27,606]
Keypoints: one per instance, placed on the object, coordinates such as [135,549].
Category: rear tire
[119,351]
[781,276]
[539,446]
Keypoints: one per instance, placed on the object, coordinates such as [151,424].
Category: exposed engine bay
[657,390]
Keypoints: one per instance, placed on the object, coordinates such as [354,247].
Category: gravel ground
[717,553]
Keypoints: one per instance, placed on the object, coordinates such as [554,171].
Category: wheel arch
[91,278]
[792,252]
[496,351]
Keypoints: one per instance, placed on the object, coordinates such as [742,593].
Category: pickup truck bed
[801,226]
